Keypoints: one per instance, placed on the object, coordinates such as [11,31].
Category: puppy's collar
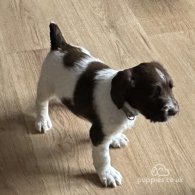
[129,111]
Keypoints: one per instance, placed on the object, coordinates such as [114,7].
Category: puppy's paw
[43,124]
[119,140]
[110,177]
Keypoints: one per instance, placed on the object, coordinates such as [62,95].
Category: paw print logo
[160,170]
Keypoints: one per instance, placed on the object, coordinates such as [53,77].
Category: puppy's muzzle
[171,108]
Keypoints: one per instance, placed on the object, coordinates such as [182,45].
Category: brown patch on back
[73,55]
[83,100]
[84,91]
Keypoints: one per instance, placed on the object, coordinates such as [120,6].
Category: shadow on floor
[27,155]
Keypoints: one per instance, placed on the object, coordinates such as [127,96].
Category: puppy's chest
[120,125]
[127,124]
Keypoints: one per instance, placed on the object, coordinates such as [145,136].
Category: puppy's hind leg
[43,122]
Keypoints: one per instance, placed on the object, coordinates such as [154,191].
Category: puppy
[108,98]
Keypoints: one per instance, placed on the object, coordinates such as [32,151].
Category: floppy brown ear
[120,86]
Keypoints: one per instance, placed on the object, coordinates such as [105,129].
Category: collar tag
[128,113]
[131,117]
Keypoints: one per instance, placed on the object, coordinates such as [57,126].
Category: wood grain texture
[123,34]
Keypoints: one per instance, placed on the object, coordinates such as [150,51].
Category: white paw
[43,124]
[110,177]
[119,140]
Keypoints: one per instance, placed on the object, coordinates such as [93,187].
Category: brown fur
[144,90]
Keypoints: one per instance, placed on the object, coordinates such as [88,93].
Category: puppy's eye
[156,92]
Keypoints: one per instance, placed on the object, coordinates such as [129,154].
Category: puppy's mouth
[159,119]
[162,117]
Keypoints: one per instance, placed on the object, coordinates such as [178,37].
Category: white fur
[169,104]
[113,119]
[161,75]
[57,80]
[108,175]
[119,140]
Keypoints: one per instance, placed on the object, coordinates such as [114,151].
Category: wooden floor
[121,33]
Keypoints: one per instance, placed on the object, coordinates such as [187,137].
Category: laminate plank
[157,16]
[123,34]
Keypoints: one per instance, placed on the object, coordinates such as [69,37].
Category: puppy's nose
[171,109]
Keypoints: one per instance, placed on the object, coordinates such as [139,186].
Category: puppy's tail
[56,38]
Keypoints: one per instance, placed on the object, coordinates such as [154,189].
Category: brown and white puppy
[109,99]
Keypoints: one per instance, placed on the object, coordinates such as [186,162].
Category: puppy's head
[147,88]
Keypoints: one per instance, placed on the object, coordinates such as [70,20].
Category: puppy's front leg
[119,140]
[108,175]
